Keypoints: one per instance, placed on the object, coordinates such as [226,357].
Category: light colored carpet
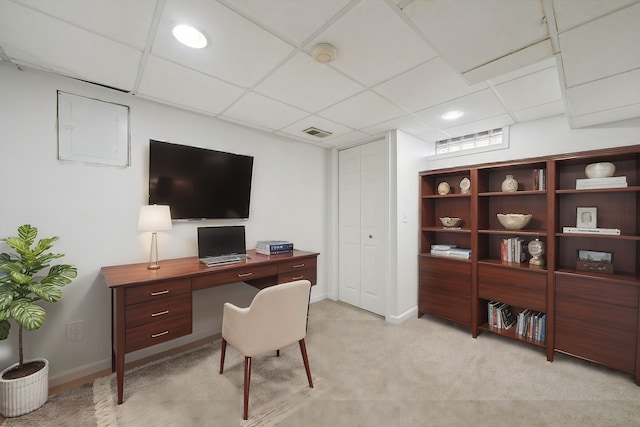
[369,373]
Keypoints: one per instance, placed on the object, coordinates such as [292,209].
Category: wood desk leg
[120,376]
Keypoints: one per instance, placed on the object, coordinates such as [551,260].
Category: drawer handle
[297,265]
[166,291]
[297,278]
[160,334]
[245,274]
[160,313]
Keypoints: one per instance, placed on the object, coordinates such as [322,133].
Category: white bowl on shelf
[514,221]
[450,222]
[600,170]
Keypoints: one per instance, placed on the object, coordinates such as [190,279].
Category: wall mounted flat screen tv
[199,183]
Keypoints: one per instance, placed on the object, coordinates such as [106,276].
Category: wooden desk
[154,306]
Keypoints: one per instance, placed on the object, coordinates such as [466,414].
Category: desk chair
[276,318]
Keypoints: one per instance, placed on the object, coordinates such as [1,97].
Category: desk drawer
[154,311]
[233,275]
[309,275]
[157,290]
[297,264]
[157,332]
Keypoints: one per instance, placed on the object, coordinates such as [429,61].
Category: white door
[363,217]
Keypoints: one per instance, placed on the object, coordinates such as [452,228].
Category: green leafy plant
[20,289]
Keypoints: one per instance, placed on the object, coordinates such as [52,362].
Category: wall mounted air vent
[317,132]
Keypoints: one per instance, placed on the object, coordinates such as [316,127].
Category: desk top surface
[122,275]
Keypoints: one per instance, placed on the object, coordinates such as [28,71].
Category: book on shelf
[500,315]
[612,231]
[274,247]
[452,252]
[512,250]
[442,247]
[539,179]
[606,182]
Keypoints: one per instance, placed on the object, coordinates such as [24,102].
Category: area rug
[187,390]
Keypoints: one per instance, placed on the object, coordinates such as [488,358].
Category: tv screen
[199,183]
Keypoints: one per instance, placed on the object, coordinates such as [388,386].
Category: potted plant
[24,386]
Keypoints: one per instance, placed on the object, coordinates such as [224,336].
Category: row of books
[529,324]
[606,182]
[450,251]
[512,250]
[532,325]
[539,179]
[500,315]
[274,247]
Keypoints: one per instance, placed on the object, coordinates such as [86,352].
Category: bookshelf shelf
[576,303]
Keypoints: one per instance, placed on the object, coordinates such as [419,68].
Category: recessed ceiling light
[451,115]
[189,36]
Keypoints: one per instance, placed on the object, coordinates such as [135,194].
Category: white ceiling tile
[258,109]
[480,125]
[195,90]
[307,84]
[539,111]
[476,106]
[408,124]
[528,91]
[426,85]
[471,33]
[348,139]
[295,20]
[595,50]
[607,116]
[362,110]
[571,13]
[32,38]
[317,122]
[524,71]
[239,51]
[125,21]
[373,43]
[605,94]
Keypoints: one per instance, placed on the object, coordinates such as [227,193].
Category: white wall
[94,209]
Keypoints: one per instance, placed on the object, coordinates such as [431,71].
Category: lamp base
[153,267]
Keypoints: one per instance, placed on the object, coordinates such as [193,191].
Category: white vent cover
[317,132]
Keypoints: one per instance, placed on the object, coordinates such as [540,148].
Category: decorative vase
[23,395]
[536,249]
[510,184]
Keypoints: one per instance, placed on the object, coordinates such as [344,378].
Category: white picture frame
[93,131]
[586,217]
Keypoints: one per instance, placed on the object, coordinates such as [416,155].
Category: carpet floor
[367,372]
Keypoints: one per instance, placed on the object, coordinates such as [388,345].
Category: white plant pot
[23,395]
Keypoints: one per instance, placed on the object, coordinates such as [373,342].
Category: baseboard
[401,318]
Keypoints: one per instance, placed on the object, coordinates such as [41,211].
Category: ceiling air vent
[317,132]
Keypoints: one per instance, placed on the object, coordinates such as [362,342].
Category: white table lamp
[154,218]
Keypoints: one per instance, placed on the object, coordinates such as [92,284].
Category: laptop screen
[216,241]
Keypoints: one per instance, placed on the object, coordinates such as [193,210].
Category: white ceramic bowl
[600,170]
[451,221]
[514,221]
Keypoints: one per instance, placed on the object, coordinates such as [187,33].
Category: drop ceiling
[400,64]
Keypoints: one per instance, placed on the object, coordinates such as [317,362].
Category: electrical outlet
[74,331]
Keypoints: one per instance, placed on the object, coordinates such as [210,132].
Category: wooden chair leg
[222,354]
[278,353]
[247,382]
[303,350]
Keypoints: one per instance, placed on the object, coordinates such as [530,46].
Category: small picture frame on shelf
[596,261]
[587,217]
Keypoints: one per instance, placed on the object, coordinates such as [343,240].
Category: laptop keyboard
[223,259]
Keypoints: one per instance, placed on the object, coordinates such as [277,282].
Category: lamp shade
[154,218]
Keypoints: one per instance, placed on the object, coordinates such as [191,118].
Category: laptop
[221,245]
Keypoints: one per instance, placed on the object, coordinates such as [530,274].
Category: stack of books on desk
[608,182]
[450,251]
[274,247]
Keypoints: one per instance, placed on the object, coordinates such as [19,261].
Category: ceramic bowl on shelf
[600,170]
[514,221]
[451,222]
